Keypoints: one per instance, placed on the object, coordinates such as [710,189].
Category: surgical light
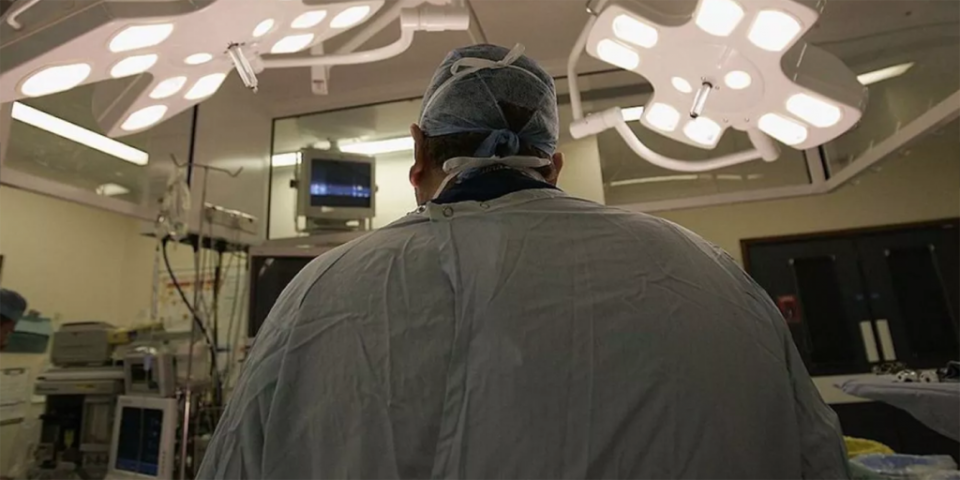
[737,79]
[55,79]
[144,118]
[814,111]
[882,74]
[773,30]
[65,129]
[198,59]
[85,49]
[663,117]
[168,88]
[309,19]
[631,30]
[350,17]
[133,65]
[681,85]
[206,86]
[263,28]
[702,130]
[783,129]
[617,54]
[719,17]
[292,43]
[140,36]
[632,114]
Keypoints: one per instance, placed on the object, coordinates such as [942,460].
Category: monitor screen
[335,183]
[268,277]
[138,446]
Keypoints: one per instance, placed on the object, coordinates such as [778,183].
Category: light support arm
[613,118]
[367,56]
[576,104]
[425,18]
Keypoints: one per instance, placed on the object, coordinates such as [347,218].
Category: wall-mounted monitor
[336,186]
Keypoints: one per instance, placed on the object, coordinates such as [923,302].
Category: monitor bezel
[168,434]
[304,209]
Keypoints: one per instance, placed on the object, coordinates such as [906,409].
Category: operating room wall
[921,185]
[395,197]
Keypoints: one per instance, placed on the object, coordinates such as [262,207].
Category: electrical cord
[193,312]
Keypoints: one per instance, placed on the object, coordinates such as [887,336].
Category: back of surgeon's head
[465,107]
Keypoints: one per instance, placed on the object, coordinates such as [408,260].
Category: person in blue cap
[508,330]
[12,307]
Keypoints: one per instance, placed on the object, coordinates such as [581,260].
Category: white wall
[922,186]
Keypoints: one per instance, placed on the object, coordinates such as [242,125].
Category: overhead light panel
[773,30]
[783,129]
[618,54]
[133,65]
[168,88]
[144,118]
[285,159]
[206,86]
[378,147]
[719,17]
[76,133]
[292,43]
[55,79]
[704,131]
[112,190]
[309,19]
[663,117]
[350,17]
[140,36]
[813,110]
[882,74]
[631,30]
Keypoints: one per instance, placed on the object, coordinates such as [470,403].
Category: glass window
[925,64]
[36,151]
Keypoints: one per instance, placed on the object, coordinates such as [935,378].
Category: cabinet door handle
[886,340]
[869,342]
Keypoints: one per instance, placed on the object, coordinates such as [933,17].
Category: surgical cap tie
[459,165]
[492,143]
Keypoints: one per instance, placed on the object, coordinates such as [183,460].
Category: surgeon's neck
[427,185]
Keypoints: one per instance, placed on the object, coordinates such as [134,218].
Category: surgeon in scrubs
[508,330]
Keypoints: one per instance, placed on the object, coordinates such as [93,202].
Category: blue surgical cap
[469,88]
[12,305]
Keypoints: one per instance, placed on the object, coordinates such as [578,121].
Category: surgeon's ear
[419,168]
[554,175]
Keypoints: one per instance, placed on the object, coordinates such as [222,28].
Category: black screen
[340,184]
[138,446]
[268,277]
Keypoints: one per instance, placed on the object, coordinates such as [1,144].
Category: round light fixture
[140,36]
[198,59]
[681,85]
[263,28]
[168,87]
[133,65]
[309,19]
[350,17]
[55,79]
[144,118]
[738,79]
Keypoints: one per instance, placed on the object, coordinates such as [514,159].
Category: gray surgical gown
[531,336]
